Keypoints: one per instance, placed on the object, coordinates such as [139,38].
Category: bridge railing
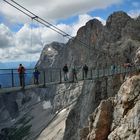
[10,77]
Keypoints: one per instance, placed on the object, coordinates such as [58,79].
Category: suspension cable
[33,17]
[41,19]
[44,22]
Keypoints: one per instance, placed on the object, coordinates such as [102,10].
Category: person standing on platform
[74,75]
[65,70]
[85,71]
[36,76]
[21,72]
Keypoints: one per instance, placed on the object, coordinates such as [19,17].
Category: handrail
[9,77]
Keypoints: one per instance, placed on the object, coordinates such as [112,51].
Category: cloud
[134,13]
[6,37]
[54,9]
[24,44]
[27,43]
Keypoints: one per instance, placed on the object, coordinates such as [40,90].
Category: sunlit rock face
[126,121]
[50,55]
[117,118]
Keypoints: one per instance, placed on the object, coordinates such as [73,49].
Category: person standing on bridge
[74,74]
[85,71]
[21,72]
[65,70]
[36,75]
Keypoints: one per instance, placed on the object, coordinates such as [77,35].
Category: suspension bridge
[9,78]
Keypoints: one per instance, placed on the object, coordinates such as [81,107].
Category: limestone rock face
[115,24]
[24,111]
[117,118]
[126,122]
[50,54]
[101,121]
[91,96]
[131,30]
[109,44]
[96,45]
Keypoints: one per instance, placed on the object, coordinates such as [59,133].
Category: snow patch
[63,111]
[46,104]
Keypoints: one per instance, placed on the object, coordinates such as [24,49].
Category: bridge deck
[15,89]
[92,75]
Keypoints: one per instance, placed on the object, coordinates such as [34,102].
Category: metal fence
[10,77]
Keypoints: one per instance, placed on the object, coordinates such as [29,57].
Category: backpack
[21,70]
[85,68]
[65,69]
[74,71]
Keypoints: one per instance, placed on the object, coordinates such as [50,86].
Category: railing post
[51,76]
[12,73]
[60,74]
[97,73]
[83,75]
[91,73]
[44,78]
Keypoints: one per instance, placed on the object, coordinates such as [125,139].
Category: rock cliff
[99,47]
[115,43]
[117,118]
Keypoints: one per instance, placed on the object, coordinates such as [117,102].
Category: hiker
[74,75]
[21,72]
[85,71]
[65,70]
[36,75]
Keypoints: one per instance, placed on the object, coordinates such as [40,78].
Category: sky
[22,39]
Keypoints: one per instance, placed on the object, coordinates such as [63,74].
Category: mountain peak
[119,18]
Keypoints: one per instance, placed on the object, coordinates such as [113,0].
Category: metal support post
[60,74]
[12,73]
[44,78]
[91,74]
